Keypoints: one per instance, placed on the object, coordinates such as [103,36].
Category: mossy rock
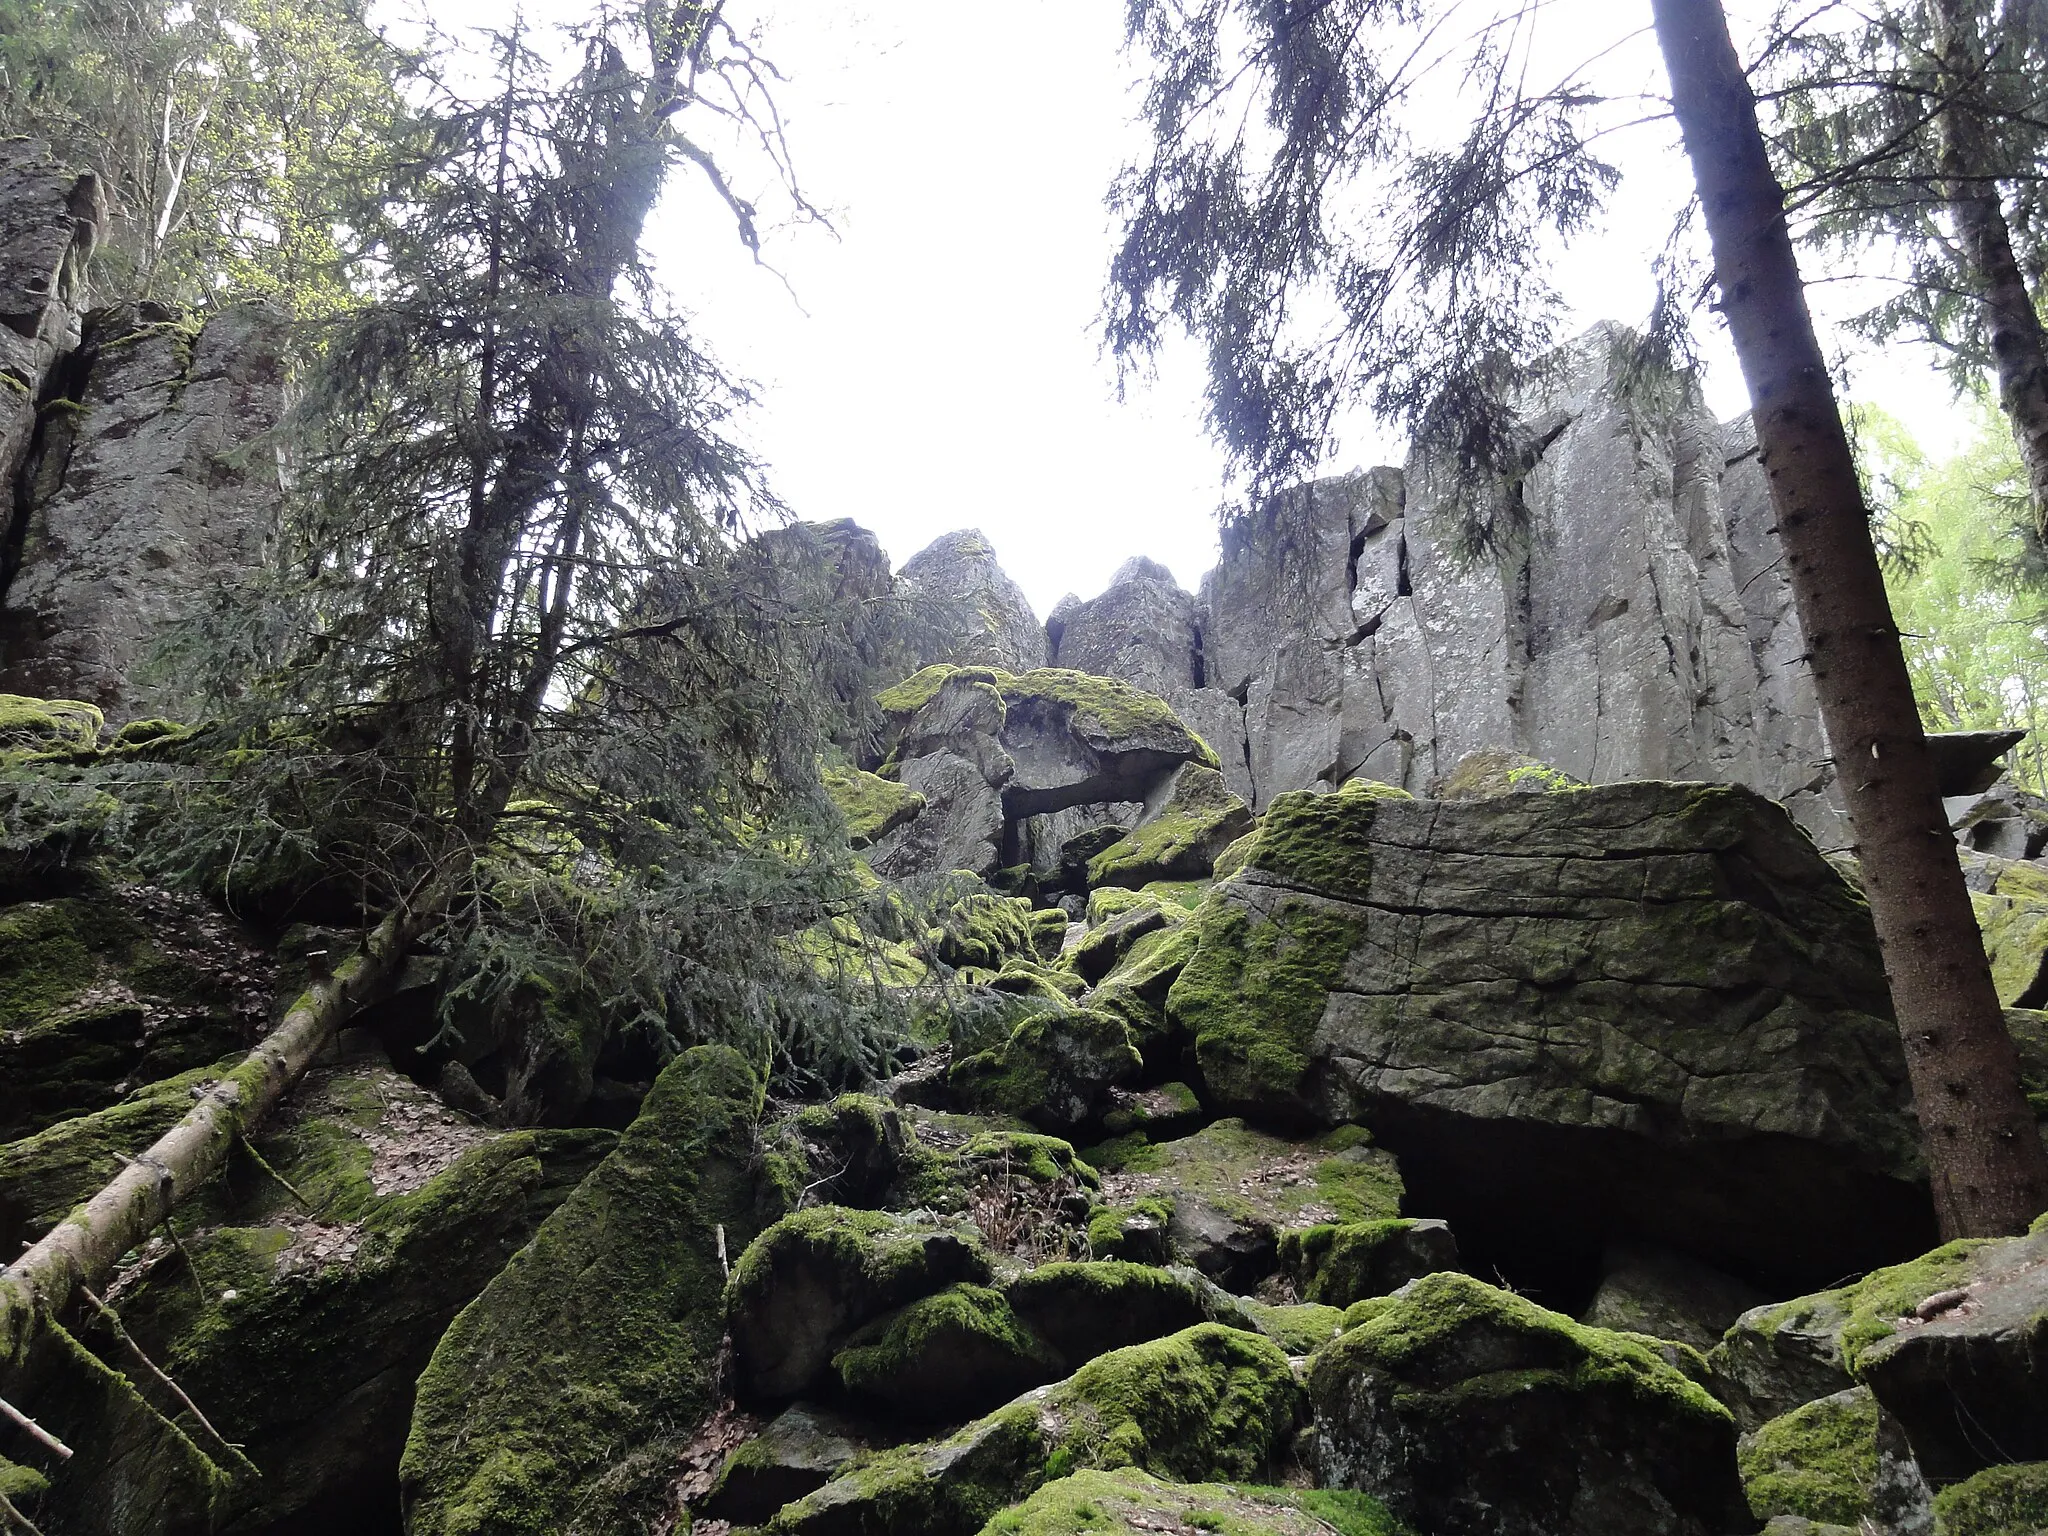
[32,728]
[872,806]
[1112,901]
[1159,1114]
[302,1332]
[1187,895]
[801,1290]
[1110,940]
[858,1143]
[1819,1461]
[1465,1407]
[560,1398]
[1207,1403]
[1777,1357]
[982,929]
[1104,1503]
[1180,840]
[1035,979]
[112,989]
[1137,987]
[949,1355]
[1056,1069]
[1252,992]
[1336,1264]
[1300,1328]
[1087,1309]
[1493,771]
[1136,1232]
[1233,1190]
[1105,712]
[1999,1501]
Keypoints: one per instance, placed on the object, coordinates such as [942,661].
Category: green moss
[1180,843]
[1209,1402]
[1340,1263]
[1863,1314]
[1422,1335]
[1373,789]
[1185,894]
[983,929]
[1056,1068]
[35,726]
[1233,858]
[1034,978]
[1113,901]
[1137,987]
[874,1248]
[1253,992]
[1300,1329]
[1169,1105]
[560,1398]
[960,1350]
[1818,1462]
[872,806]
[1105,708]
[915,691]
[2016,943]
[18,1482]
[2000,1501]
[1340,1177]
[1100,1503]
[1135,1232]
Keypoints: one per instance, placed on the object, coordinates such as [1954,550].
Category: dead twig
[113,1320]
[35,1431]
[7,1508]
[257,1158]
[191,1266]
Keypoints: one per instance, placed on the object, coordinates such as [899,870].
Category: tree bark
[2012,325]
[1985,1158]
[83,1249]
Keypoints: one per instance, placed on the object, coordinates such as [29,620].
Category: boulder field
[1536,1159]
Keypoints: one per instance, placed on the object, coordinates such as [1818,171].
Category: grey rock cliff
[148,491]
[990,619]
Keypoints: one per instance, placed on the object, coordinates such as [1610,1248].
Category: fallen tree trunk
[83,1248]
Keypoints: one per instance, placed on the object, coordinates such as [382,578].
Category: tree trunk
[1984,1155]
[2012,326]
[85,1246]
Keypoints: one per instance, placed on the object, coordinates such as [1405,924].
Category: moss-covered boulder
[1232,1190]
[801,1290]
[1087,1309]
[1163,1113]
[1468,1409]
[800,1450]
[1137,986]
[114,988]
[1958,1359]
[1109,941]
[947,1356]
[1186,825]
[979,928]
[1999,1501]
[558,1400]
[1056,1069]
[1818,1461]
[873,806]
[1335,1264]
[1208,1403]
[1775,1358]
[1638,1007]
[301,1330]
[1106,1503]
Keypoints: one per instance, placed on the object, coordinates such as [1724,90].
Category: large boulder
[1471,1411]
[1190,820]
[1638,1008]
[1208,1403]
[561,1397]
[958,1352]
[1055,1070]
[1648,1288]
[800,1291]
[987,619]
[1133,1502]
[1964,1368]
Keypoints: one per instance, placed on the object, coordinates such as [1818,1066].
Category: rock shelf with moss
[1104,1503]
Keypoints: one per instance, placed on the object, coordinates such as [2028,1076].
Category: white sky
[937,367]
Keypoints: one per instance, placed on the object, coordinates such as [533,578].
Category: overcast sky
[936,365]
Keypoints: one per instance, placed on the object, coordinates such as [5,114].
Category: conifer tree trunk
[1985,1157]
[2012,325]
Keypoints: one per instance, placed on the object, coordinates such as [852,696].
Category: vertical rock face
[991,620]
[50,219]
[1637,626]
[146,489]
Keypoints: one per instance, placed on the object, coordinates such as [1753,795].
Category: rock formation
[137,482]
